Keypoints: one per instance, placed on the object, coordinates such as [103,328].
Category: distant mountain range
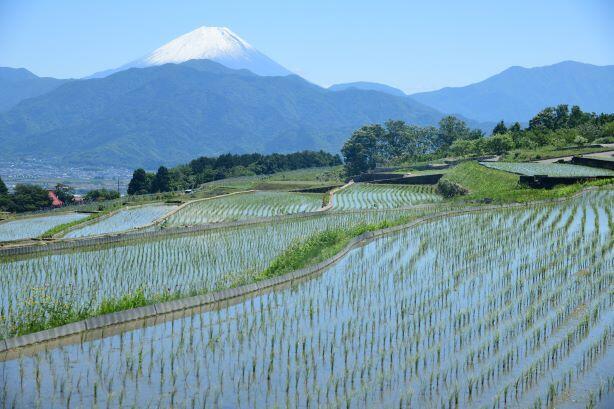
[177,103]
[518,93]
[174,112]
[368,86]
[17,84]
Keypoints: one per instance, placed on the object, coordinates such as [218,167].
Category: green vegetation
[490,184]
[46,312]
[320,247]
[397,142]
[449,189]
[25,198]
[98,195]
[205,169]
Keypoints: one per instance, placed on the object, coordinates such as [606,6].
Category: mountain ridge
[171,113]
[368,86]
[517,93]
[217,44]
[18,84]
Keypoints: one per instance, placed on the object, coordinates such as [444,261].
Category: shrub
[449,189]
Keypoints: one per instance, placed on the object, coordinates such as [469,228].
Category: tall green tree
[5,200]
[162,181]
[451,129]
[361,150]
[515,128]
[28,198]
[577,117]
[500,128]
[3,189]
[544,120]
[140,183]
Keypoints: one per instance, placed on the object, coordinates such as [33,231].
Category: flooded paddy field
[499,309]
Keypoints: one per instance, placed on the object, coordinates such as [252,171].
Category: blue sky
[409,44]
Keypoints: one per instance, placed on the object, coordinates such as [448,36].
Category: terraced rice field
[372,196]
[123,220]
[518,314]
[550,169]
[245,206]
[201,262]
[34,226]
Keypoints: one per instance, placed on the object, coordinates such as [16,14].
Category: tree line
[398,142]
[207,169]
[29,198]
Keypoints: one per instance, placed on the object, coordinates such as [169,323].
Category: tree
[64,192]
[500,128]
[576,117]
[562,116]
[395,140]
[5,199]
[140,183]
[3,189]
[450,129]
[27,198]
[98,195]
[462,147]
[162,181]
[360,151]
[545,119]
[499,144]
[515,128]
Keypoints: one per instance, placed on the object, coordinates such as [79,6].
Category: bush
[449,189]
[101,194]
[605,139]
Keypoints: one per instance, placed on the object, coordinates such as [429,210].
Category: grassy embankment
[503,187]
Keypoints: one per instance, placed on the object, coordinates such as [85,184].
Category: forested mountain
[17,84]
[368,86]
[517,93]
[171,113]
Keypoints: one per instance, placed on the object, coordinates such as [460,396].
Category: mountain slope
[175,112]
[217,44]
[17,84]
[518,93]
[368,86]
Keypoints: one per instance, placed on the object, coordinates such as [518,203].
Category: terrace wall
[593,162]
[545,181]
[413,180]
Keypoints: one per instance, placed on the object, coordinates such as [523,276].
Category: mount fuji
[218,44]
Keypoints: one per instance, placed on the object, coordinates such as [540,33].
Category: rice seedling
[518,313]
[550,169]
[34,226]
[163,268]
[372,196]
[245,206]
[123,220]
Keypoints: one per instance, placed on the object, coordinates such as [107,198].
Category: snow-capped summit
[218,44]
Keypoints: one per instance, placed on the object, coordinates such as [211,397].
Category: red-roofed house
[55,202]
